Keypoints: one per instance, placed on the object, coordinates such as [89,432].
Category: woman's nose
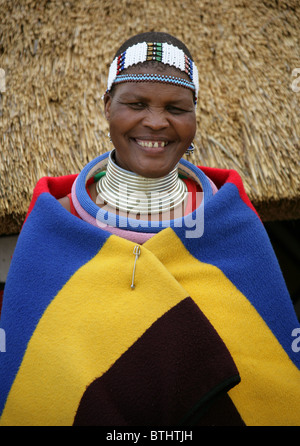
[155,120]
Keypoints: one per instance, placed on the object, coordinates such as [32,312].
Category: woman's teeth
[151,143]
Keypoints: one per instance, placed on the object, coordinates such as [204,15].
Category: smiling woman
[155,103]
[120,307]
[151,124]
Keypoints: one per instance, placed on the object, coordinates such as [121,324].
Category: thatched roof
[56,55]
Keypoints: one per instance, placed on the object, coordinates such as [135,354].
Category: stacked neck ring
[126,191]
[103,217]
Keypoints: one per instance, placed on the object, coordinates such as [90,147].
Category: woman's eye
[136,105]
[175,110]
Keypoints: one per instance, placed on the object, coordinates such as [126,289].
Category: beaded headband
[156,51]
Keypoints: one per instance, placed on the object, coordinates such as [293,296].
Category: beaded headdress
[154,51]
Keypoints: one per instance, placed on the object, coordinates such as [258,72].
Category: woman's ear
[107,101]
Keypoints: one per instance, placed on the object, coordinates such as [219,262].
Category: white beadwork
[135,54]
[181,61]
[171,55]
[165,53]
[196,79]
[112,73]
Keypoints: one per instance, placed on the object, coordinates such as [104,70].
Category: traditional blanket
[204,338]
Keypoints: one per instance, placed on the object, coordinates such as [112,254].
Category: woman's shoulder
[65,202]
[59,187]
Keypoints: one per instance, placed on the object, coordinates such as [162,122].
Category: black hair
[153,36]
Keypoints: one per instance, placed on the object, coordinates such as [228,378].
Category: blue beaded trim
[154,78]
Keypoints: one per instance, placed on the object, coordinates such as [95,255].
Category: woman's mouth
[151,144]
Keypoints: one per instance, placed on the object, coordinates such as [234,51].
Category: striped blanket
[205,338]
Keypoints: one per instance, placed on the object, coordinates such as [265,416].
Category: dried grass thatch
[56,55]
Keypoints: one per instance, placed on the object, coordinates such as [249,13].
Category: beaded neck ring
[154,51]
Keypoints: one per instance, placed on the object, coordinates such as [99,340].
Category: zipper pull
[136,252]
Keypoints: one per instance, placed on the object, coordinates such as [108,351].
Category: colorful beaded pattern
[156,51]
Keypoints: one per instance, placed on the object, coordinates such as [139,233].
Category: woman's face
[151,124]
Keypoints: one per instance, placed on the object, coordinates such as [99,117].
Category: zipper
[136,252]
